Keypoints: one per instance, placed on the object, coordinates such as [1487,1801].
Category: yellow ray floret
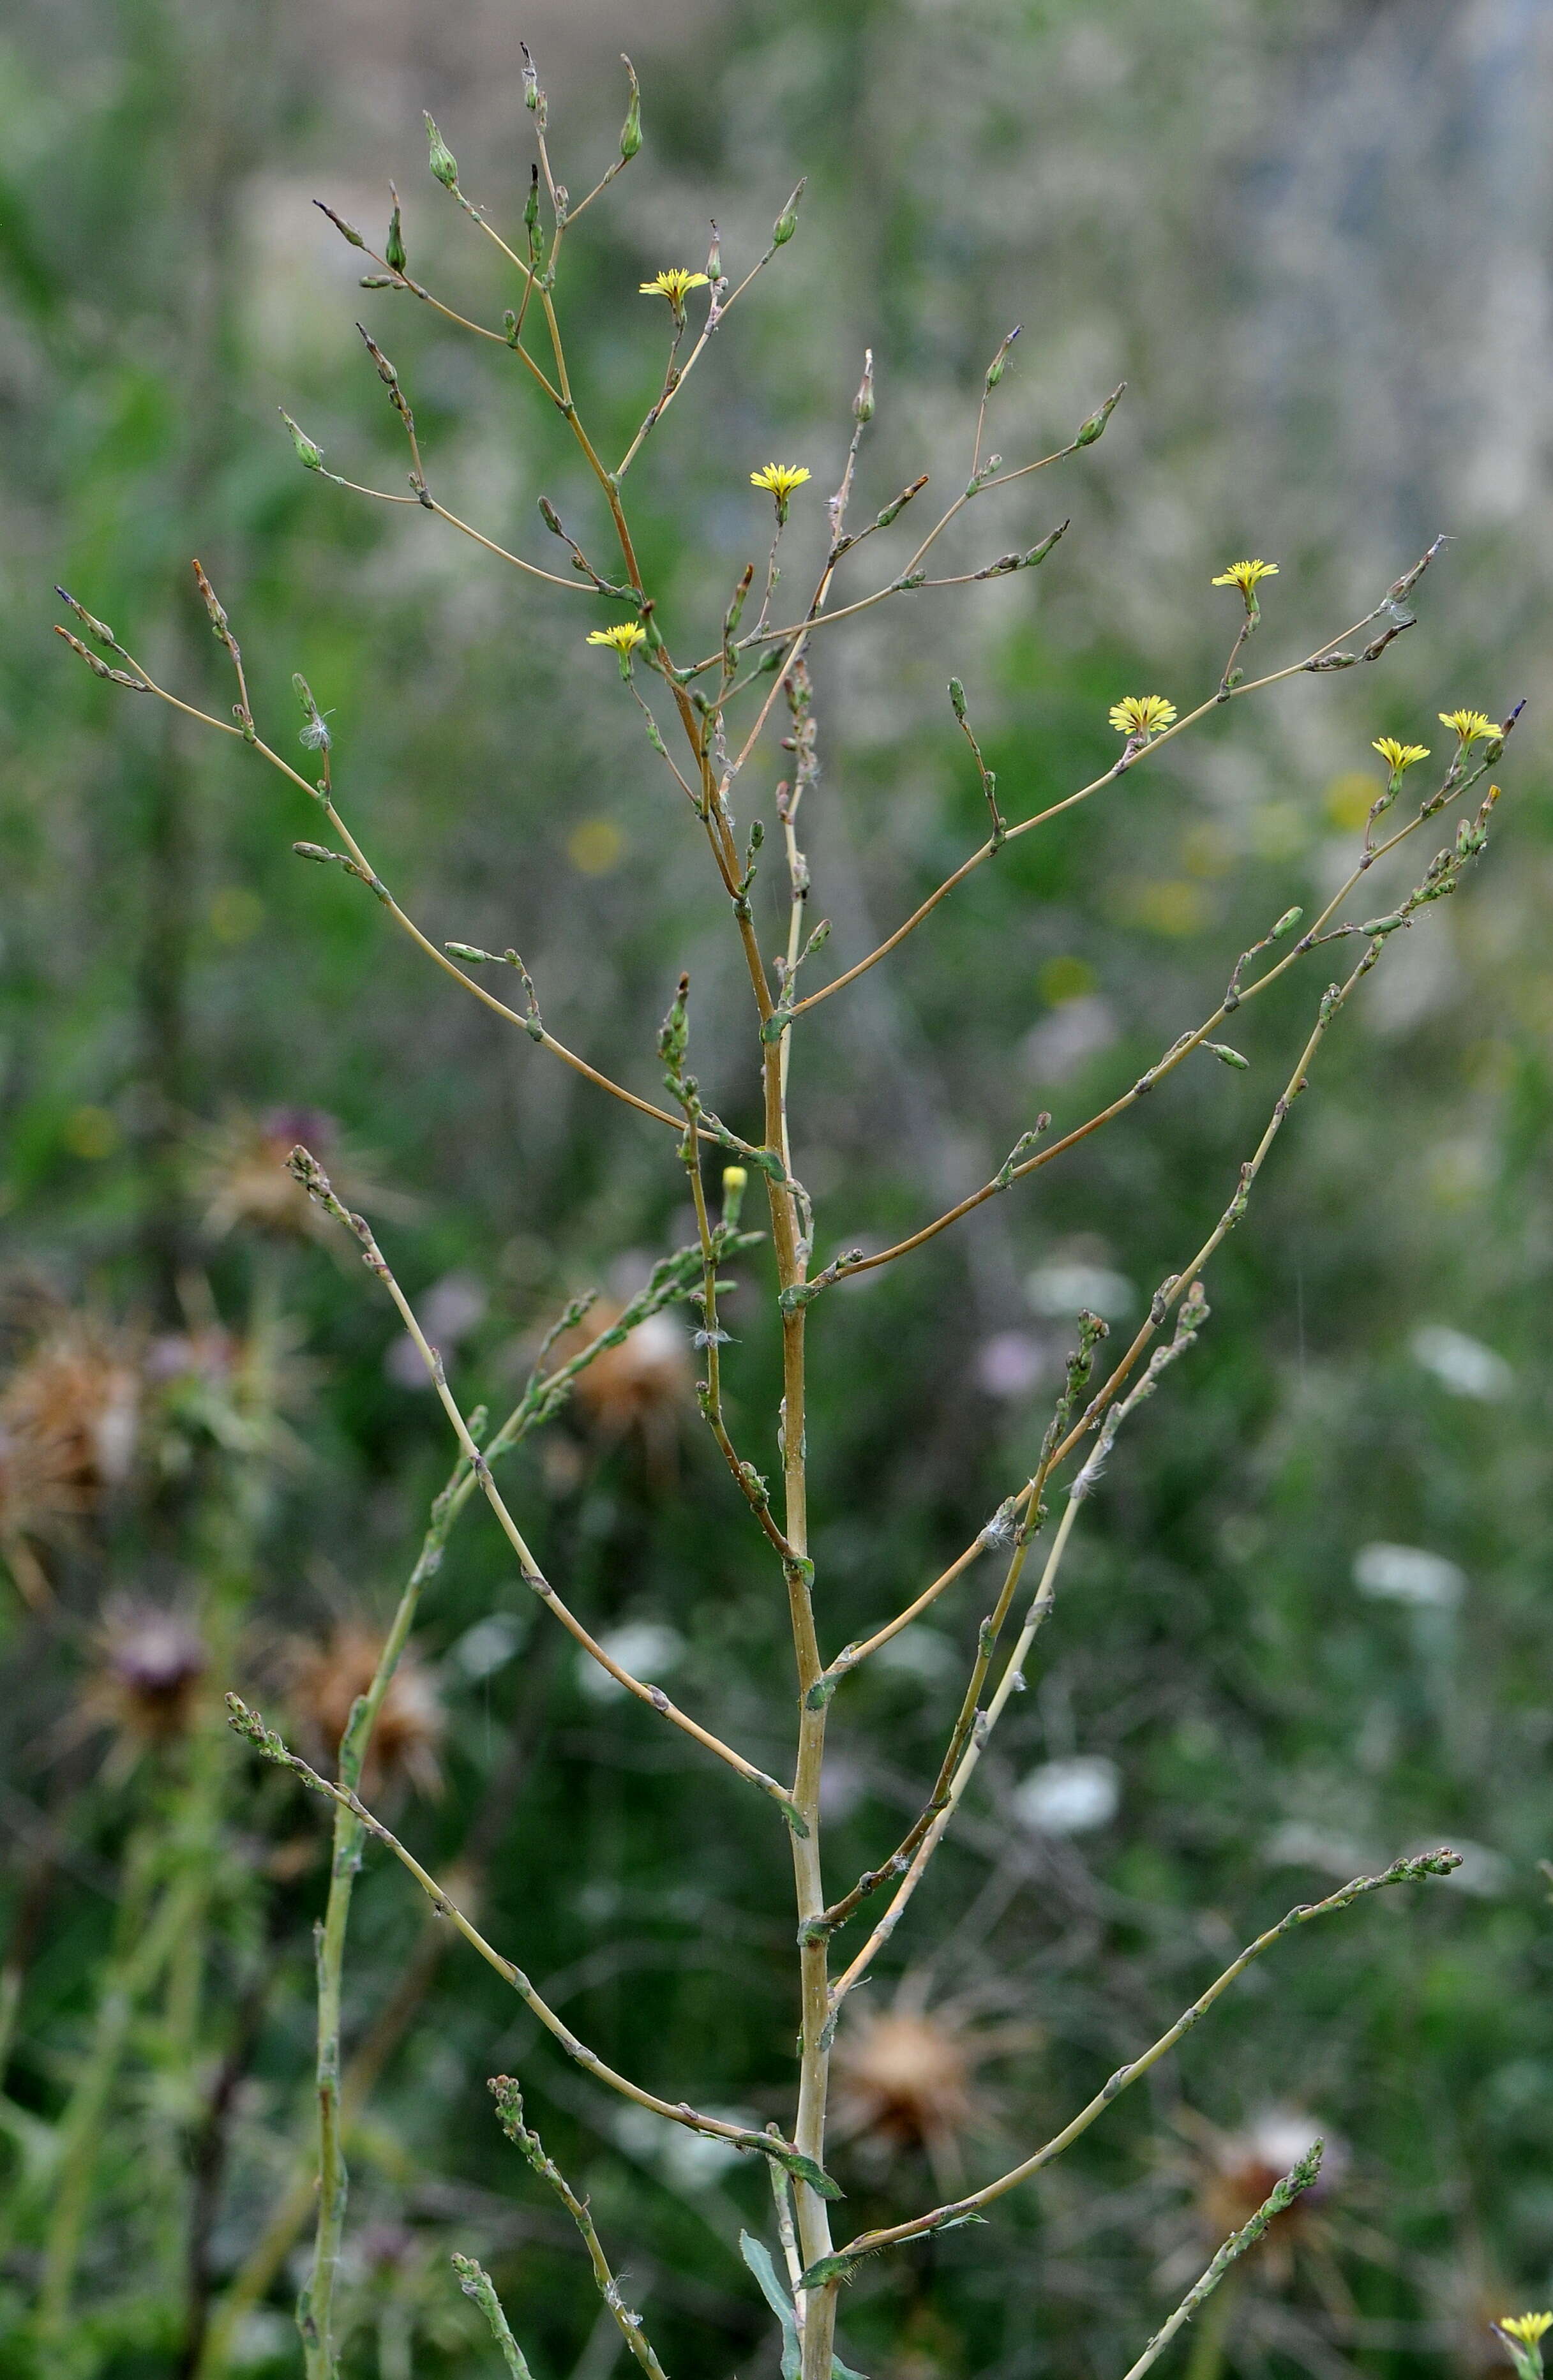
[1399,758]
[1472,726]
[675,283]
[1246,575]
[623,638]
[1141,714]
[781,479]
[1527,2326]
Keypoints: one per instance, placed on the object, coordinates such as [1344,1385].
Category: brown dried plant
[707,719]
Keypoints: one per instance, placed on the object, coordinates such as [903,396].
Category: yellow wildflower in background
[1472,726]
[1141,714]
[1399,758]
[624,638]
[675,283]
[781,479]
[1245,575]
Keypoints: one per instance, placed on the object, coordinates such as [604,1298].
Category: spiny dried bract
[323,1683]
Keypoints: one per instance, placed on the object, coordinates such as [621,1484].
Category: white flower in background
[688,2161]
[926,1654]
[1409,1574]
[447,1312]
[645,1647]
[1069,1797]
[1062,1289]
[1464,1365]
[1014,1362]
[1298,1844]
[1485,1874]
[1080,1030]
[487,1646]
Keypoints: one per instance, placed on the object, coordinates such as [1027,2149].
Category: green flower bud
[444,165]
[863,402]
[786,223]
[1097,422]
[307,453]
[1286,924]
[1225,1056]
[347,231]
[999,364]
[631,131]
[957,696]
[393,247]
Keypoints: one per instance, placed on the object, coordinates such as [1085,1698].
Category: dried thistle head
[245,1183]
[71,1407]
[324,1682]
[639,1389]
[1238,2169]
[904,2079]
[39,1491]
[151,1663]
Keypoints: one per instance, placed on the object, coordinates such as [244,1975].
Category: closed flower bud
[307,453]
[999,364]
[393,247]
[786,223]
[1097,422]
[631,131]
[347,231]
[863,402]
[444,163]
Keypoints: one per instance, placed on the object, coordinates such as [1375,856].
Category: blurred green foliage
[1313,244]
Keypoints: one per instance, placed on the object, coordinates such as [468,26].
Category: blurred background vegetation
[1308,1626]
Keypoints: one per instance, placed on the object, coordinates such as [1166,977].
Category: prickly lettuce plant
[712,693]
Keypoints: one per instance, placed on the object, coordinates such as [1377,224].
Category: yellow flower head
[1399,758]
[674,284]
[1246,575]
[624,638]
[1527,2326]
[781,479]
[1141,714]
[1472,726]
